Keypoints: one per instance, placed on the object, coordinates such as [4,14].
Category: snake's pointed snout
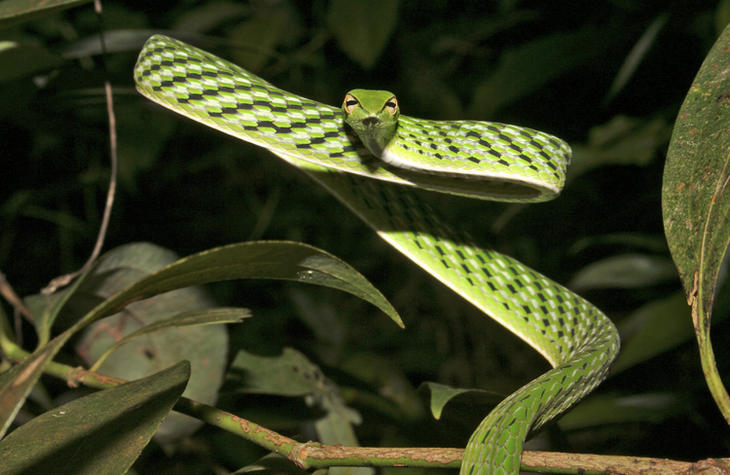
[371,121]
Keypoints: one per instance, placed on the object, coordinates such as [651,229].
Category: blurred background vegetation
[608,76]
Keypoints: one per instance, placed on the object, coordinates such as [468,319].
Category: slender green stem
[315,455]
[707,358]
[5,333]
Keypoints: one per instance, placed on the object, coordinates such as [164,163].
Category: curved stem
[315,455]
[707,358]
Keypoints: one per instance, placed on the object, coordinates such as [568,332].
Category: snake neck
[374,133]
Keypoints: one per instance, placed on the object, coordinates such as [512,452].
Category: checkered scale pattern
[470,147]
[575,337]
[486,155]
[578,340]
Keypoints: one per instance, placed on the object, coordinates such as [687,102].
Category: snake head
[373,115]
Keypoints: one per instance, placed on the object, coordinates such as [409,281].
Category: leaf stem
[707,359]
[314,455]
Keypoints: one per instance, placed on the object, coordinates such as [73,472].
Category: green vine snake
[370,156]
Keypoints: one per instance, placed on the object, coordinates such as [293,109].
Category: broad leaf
[650,243]
[620,141]
[606,409]
[120,40]
[204,346]
[262,260]
[696,202]
[283,260]
[696,199]
[103,432]
[636,56]
[15,11]
[292,374]
[205,16]
[722,15]
[625,271]
[362,27]
[115,270]
[335,428]
[652,329]
[18,381]
[535,64]
[191,318]
[19,60]
[383,373]
[441,395]
[270,24]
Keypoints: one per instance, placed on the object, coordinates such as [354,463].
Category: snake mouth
[371,122]
[491,188]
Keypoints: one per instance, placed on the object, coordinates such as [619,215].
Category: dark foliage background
[608,76]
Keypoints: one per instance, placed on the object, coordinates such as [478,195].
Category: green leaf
[45,309]
[651,330]
[191,318]
[636,56]
[322,318]
[335,428]
[524,69]
[601,410]
[441,395]
[114,270]
[283,260]
[362,28]
[204,346]
[269,25]
[15,11]
[624,271]
[20,60]
[262,260]
[115,41]
[382,373]
[131,39]
[696,199]
[621,141]
[653,243]
[207,15]
[103,432]
[18,381]
[292,374]
[722,15]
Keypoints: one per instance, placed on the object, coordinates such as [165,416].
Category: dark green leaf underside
[103,432]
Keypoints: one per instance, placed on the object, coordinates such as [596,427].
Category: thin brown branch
[64,280]
[312,455]
[315,455]
[6,290]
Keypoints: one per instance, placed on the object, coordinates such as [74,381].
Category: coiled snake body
[369,156]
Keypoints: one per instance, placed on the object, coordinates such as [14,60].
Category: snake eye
[392,105]
[350,103]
